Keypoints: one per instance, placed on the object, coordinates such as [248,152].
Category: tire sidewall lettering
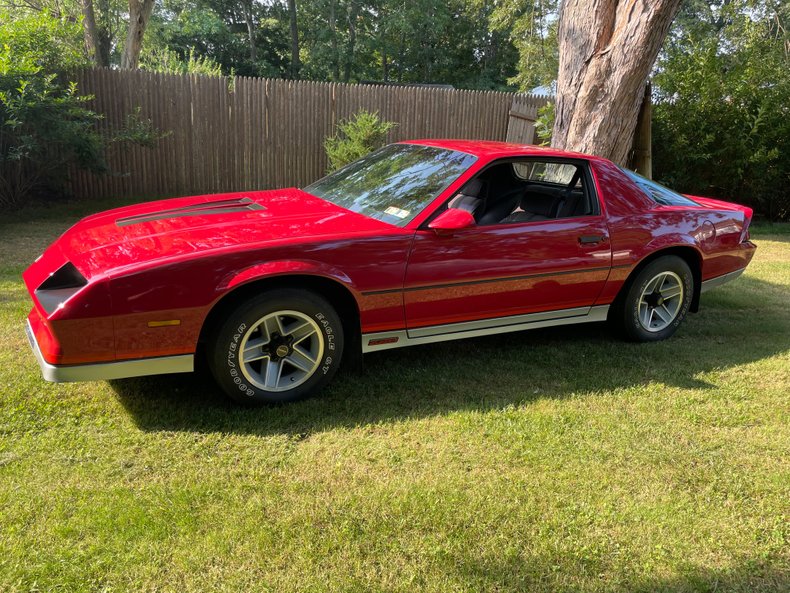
[236,377]
[688,284]
[233,360]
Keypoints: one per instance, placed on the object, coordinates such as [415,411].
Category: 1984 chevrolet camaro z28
[418,242]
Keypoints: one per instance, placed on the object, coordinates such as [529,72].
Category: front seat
[535,206]
[503,206]
[469,198]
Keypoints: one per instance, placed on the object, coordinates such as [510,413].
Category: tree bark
[295,63]
[352,40]
[335,52]
[94,44]
[139,15]
[641,159]
[250,21]
[607,48]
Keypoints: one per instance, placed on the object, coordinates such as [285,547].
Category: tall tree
[606,51]
[96,44]
[249,20]
[139,15]
[294,27]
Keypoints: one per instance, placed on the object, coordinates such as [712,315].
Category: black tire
[246,382]
[626,311]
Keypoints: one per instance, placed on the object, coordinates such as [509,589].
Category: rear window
[559,173]
[659,193]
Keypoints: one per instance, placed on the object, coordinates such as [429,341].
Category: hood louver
[220,207]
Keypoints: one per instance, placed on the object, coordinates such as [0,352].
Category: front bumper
[105,371]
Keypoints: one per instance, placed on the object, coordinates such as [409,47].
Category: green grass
[553,460]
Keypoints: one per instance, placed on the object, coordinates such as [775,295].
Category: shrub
[46,126]
[721,123]
[356,137]
[170,62]
[545,123]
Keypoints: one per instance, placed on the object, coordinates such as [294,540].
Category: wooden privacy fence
[237,134]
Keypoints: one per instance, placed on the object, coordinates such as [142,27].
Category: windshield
[393,184]
[659,193]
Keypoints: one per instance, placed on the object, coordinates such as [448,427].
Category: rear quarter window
[548,172]
[657,192]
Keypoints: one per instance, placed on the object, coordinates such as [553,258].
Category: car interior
[526,191]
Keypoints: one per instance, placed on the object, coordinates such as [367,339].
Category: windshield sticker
[397,212]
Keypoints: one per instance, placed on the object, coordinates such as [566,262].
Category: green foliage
[356,137]
[545,123]
[421,41]
[531,25]
[168,61]
[138,130]
[45,125]
[41,40]
[721,124]
[181,31]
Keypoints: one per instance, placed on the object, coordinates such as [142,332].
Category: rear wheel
[657,300]
[280,346]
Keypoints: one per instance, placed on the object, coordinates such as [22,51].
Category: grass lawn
[553,460]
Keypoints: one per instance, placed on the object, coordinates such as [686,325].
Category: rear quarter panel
[639,227]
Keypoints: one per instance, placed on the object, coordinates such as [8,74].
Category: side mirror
[452,220]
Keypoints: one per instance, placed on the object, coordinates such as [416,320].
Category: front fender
[285,268]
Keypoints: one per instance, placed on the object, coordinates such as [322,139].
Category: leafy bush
[721,123]
[40,40]
[43,129]
[169,61]
[45,125]
[356,137]
[545,123]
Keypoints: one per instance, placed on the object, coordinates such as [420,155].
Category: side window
[532,189]
[558,173]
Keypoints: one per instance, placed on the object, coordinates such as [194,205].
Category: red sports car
[418,242]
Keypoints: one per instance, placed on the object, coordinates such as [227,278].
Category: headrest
[472,188]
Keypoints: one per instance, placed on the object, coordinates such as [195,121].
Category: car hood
[178,228]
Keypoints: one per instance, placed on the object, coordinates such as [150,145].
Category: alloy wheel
[281,350]
[660,301]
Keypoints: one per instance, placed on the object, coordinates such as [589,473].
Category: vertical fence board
[236,134]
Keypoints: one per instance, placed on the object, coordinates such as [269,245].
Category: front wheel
[280,346]
[657,300]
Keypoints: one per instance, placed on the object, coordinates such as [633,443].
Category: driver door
[486,276]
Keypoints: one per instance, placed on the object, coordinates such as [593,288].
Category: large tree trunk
[607,48]
[295,63]
[352,40]
[250,21]
[335,52]
[95,43]
[139,15]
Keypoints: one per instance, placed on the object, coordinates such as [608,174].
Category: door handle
[591,239]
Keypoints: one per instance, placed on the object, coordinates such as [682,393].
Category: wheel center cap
[282,350]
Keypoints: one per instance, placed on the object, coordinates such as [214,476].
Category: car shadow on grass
[494,372]
[528,573]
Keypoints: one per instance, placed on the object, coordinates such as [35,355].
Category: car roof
[491,149]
